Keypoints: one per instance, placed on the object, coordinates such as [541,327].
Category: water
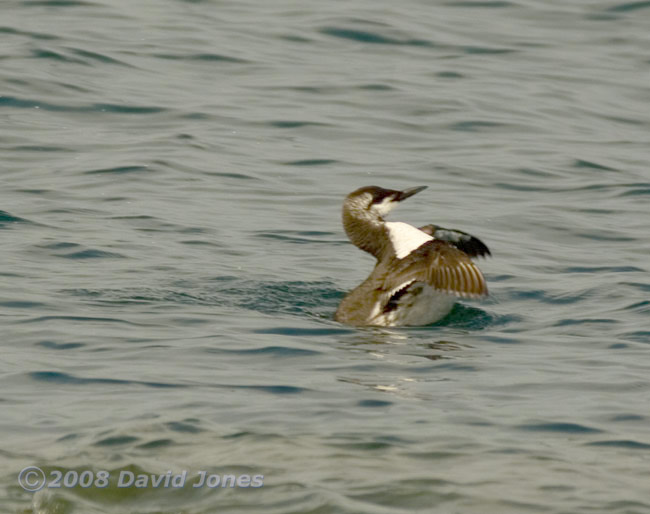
[172,174]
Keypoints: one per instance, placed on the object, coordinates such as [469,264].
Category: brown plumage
[418,271]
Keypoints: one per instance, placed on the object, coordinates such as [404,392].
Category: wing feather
[441,265]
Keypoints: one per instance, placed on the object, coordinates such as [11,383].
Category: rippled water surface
[172,254]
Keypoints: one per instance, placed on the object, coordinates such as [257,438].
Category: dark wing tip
[473,247]
[465,242]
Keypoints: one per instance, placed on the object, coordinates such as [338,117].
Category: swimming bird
[419,273]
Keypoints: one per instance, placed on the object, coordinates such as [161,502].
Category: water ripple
[32,35]
[206,57]
[66,379]
[363,36]
[570,428]
[19,103]
[119,170]
[630,6]
[622,443]
[6,219]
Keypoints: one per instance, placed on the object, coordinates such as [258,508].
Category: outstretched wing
[465,242]
[441,265]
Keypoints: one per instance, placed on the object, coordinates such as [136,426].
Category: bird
[419,273]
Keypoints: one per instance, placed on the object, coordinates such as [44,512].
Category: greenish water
[172,175]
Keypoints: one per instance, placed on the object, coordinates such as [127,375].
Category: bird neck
[365,229]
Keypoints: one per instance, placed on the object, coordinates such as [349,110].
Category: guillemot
[419,271]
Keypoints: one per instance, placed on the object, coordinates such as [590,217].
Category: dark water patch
[39,148]
[93,254]
[373,403]
[197,242]
[39,53]
[363,36]
[629,6]
[535,173]
[511,186]
[59,3]
[127,109]
[40,319]
[317,299]
[239,435]
[280,235]
[363,446]
[157,443]
[600,235]
[32,35]
[376,87]
[450,75]
[579,163]
[187,426]
[295,331]
[641,336]
[569,428]
[68,437]
[119,170]
[316,90]
[51,345]
[20,103]
[268,351]
[502,278]
[96,57]
[206,57]
[606,187]
[544,297]
[222,174]
[475,126]
[64,85]
[639,191]
[137,217]
[627,417]
[484,50]
[61,245]
[433,456]
[415,495]
[602,16]
[603,269]
[481,5]
[643,306]
[626,121]
[638,285]
[272,389]
[117,440]
[587,321]
[502,339]
[224,278]
[557,488]
[450,366]
[140,295]
[466,317]
[295,39]
[79,254]
[627,444]
[55,377]
[21,304]
[310,162]
[7,219]
[295,124]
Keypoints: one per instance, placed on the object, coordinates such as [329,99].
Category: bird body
[419,273]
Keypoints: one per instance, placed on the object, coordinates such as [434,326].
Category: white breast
[405,238]
[422,306]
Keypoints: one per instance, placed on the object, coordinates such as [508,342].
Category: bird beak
[407,193]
